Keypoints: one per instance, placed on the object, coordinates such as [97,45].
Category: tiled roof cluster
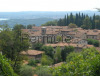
[32,52]
[36,31]
[68,44]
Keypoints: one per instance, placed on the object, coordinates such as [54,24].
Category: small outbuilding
[33,54]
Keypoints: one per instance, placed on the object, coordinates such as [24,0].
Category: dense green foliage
[32,62]
[80,19]
[93,42]
[66,51]
[57,55]
[5,67]
[30,26]
[19,26]
[43,71]
[86,23]
[48,50]
[11,44]
[59,38]
[46,60]
[26,70]
[85,63]
[50,23]
[71,25]
[37,46]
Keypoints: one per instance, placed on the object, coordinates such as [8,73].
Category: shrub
[57,55]
[5,67]
[26,70]
[59,38]
[37,46]
[93,42]
[85,63]
[46,60]
[71,25]
[48,50]
[43,71]
[32,62]
[66,51]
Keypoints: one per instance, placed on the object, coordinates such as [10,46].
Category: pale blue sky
[48,5]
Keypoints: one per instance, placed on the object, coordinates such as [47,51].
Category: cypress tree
[71,18]
[65,21]
[93,22]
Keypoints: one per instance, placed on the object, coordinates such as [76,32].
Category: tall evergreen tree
[65,21]
[93,22]
[87,23]
[71,18]
[76,19]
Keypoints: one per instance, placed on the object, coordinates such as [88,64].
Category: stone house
[33,54]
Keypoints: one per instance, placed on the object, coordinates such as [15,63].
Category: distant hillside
[37,17]
[42,14]
[37,22]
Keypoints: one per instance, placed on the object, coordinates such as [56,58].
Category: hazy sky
[48,5]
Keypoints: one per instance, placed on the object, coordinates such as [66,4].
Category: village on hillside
[43,50]
[59,36]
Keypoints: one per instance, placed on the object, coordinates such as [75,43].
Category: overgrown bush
[26,70]
[43,71]
[66,51]
[46,60]
[85,63]
[48,50]
[5,67]
[37,46]
[93,42]
[32,62]
[57,55]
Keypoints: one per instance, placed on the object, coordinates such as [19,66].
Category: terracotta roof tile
[32,52]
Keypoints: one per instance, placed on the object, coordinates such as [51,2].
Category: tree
[66,51]
[86,23]
[84,63]
[5,67]
[93,42]
[60,22]
[30,26]
[32,62]
[71,25]
[43,71]
[71,18]
[48,50]
[59,38]
[11,44]
[57,55]
[26,70]
[19,26]
[65,21]
[37,46]
[46,60]
[93,22]
[49,23]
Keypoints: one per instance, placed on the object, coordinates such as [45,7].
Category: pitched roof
[75,40]
[32,52]
[71,44]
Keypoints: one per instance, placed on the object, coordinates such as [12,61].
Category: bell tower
[43,29]
[43,32]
